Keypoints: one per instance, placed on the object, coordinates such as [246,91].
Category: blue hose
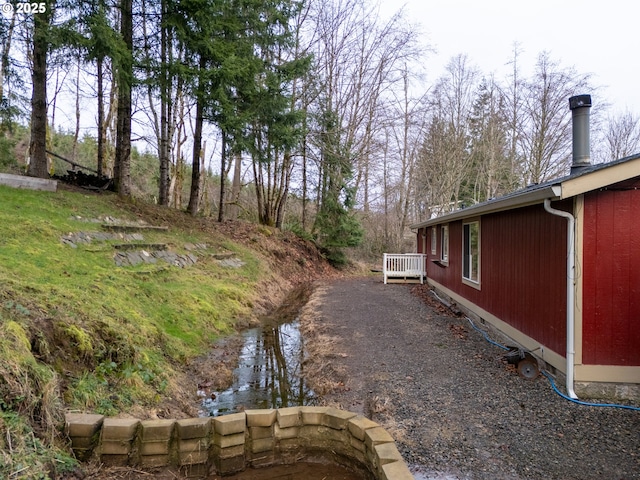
[486,336]
[553,384]
[580,402]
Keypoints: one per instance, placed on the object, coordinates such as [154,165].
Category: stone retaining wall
[231,443]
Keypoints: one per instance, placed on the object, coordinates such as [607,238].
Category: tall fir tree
[38,164]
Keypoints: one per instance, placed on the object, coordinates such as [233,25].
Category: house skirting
[593,381]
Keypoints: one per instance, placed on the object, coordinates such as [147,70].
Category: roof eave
[553,192]
[625,169]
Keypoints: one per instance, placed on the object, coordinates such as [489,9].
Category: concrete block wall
[30,183]
[232,443]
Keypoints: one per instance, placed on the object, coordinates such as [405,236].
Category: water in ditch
[268,375]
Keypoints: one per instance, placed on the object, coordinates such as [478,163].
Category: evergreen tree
[38,165]
[101,44]
[276,129]
[336,226]
[122,162]
[490,167]
[237,78]
[217,60]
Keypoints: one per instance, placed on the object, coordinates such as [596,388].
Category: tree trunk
[4,62]
[122,163]
[175,185]
[165,113]
[194,198]
[235,187]
[38,145]
[304,177]
[76,135]
[223,167]
[101,126]
[287,169]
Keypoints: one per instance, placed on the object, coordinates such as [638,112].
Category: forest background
[312,116]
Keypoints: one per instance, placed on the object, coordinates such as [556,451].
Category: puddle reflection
[269,373]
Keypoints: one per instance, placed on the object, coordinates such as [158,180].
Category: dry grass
[28,437]
[27,386]
[321,373]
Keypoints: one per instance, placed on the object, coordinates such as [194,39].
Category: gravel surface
[456,408]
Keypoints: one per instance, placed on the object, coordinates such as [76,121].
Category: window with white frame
[444,243]
[434,240]
[471,251]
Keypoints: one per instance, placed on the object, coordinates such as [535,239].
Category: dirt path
[455,407]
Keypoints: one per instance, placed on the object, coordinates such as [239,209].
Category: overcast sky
[597,37]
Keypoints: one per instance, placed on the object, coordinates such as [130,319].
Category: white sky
[597,37]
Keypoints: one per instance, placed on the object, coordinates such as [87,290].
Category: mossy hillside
[79,333]
[96,324]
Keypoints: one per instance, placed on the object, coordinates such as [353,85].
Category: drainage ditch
[269,373]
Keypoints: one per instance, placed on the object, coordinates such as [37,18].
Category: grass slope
[79,333]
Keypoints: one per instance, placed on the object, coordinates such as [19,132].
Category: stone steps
[114,227]
[136,257]
[132,250]
[140,246]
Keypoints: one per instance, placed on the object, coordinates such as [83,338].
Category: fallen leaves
[458,331]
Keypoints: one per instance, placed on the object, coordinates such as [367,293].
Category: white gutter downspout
[571,268]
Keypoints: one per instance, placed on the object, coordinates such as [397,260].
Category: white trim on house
[434,241]
[444,244]
[469,279]
[615,172]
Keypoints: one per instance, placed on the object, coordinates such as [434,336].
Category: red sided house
[556,267]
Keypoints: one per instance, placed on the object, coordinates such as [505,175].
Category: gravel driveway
[456,409]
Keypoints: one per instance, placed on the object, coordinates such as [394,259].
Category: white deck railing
[404,265]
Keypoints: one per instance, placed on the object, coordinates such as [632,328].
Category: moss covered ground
[79,333]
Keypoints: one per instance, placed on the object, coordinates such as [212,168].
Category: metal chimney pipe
[580,107]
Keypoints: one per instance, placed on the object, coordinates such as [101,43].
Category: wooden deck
[404,268]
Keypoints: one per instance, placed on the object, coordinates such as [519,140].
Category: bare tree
[360,62]
[102,45]
[178,166]
[76,133]
[444,158]
[512,104]
[405,126]
[622,136]
[164,89]
[545,133]
[236,185]
[197,153]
